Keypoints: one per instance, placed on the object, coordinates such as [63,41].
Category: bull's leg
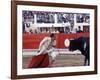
[85,61]
[88,61]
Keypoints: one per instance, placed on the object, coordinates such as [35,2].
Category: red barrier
[62,37]
[32,41]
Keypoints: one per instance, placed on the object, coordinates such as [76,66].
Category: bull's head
[72,45]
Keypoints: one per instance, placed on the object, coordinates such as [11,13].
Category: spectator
[79,30]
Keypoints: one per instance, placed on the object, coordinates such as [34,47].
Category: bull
[81,44]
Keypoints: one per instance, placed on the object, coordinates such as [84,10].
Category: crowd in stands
[83,18]
[54,30]
[49,17]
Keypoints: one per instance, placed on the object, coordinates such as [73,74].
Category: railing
[32,41]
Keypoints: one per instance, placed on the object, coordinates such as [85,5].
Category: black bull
[81,44]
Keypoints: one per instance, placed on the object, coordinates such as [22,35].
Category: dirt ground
[62,60]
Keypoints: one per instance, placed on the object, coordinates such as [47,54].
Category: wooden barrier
[32,41]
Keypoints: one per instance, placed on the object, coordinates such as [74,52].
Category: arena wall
[32,41]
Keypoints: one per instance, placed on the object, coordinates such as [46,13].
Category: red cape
[39,61]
